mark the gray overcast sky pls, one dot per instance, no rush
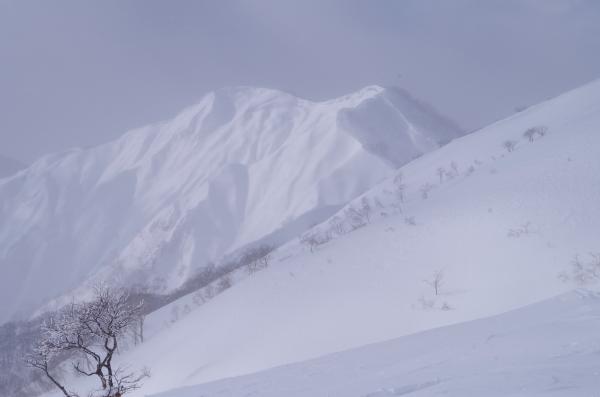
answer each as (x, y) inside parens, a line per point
(78, 73)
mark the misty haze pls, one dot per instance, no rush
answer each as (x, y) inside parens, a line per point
(299, 198)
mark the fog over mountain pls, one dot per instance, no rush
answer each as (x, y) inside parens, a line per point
(80, 74)
(9, 166)
(336, 198)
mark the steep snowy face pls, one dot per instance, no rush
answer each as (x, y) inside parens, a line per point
(9, 166)
(502, 228)
(242, 165)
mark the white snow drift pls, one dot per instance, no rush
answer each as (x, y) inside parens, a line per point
(547, 349)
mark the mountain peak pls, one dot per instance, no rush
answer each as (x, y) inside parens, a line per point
(165, 199)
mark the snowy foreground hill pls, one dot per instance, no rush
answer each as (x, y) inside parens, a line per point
(502, 218)
(546, 349)
(243, 165)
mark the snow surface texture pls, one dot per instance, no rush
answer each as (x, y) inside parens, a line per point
(547, 349)
(9, 166)
(502, 232)
(243, 165)
(503, 227)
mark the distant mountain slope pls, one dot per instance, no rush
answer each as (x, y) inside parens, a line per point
(243, 164)
(547, 349)
(9, 166)
(502, 224)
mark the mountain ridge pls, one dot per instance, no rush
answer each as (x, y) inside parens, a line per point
(165, 199)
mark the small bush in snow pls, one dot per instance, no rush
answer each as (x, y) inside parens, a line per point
(410, 220)
(257, 258)
(337, 225)
(224, 283)
(313, 239)
(425, 189)
(525, 228)
(509, 145)
(356, 217)
(454, 168)
(426, 304)
(533, 132)
(581, 272)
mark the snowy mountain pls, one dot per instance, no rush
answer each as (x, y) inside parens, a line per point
(243, 165)
(503, 217)
(546, 349)
(9, 166)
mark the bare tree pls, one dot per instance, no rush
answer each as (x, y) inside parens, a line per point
(509, 145)
(400, 186)
(138, 329)
(436, 281)
(90, 333)
(366, 209)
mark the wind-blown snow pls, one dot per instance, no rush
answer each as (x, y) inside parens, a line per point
(243, 164)
(502, 227)
(547, 349)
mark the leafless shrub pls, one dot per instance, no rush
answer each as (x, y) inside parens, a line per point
(313, 239)
(583, 273)
(224, 283)
(337, 225)
(356, 217)
(209, 292)
(366, 209)
(454, 168)
(426, 304)
(175, 313)
(198, 298)
(533, 132)
(509, 145)
(425, 189)
(441, 171)
(436, 281)
(525, 228)
(400, 186)
(410, 220)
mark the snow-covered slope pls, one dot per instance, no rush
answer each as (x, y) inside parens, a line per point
(501, 226)
(547, 349)
(243, 164)
(9, 166)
